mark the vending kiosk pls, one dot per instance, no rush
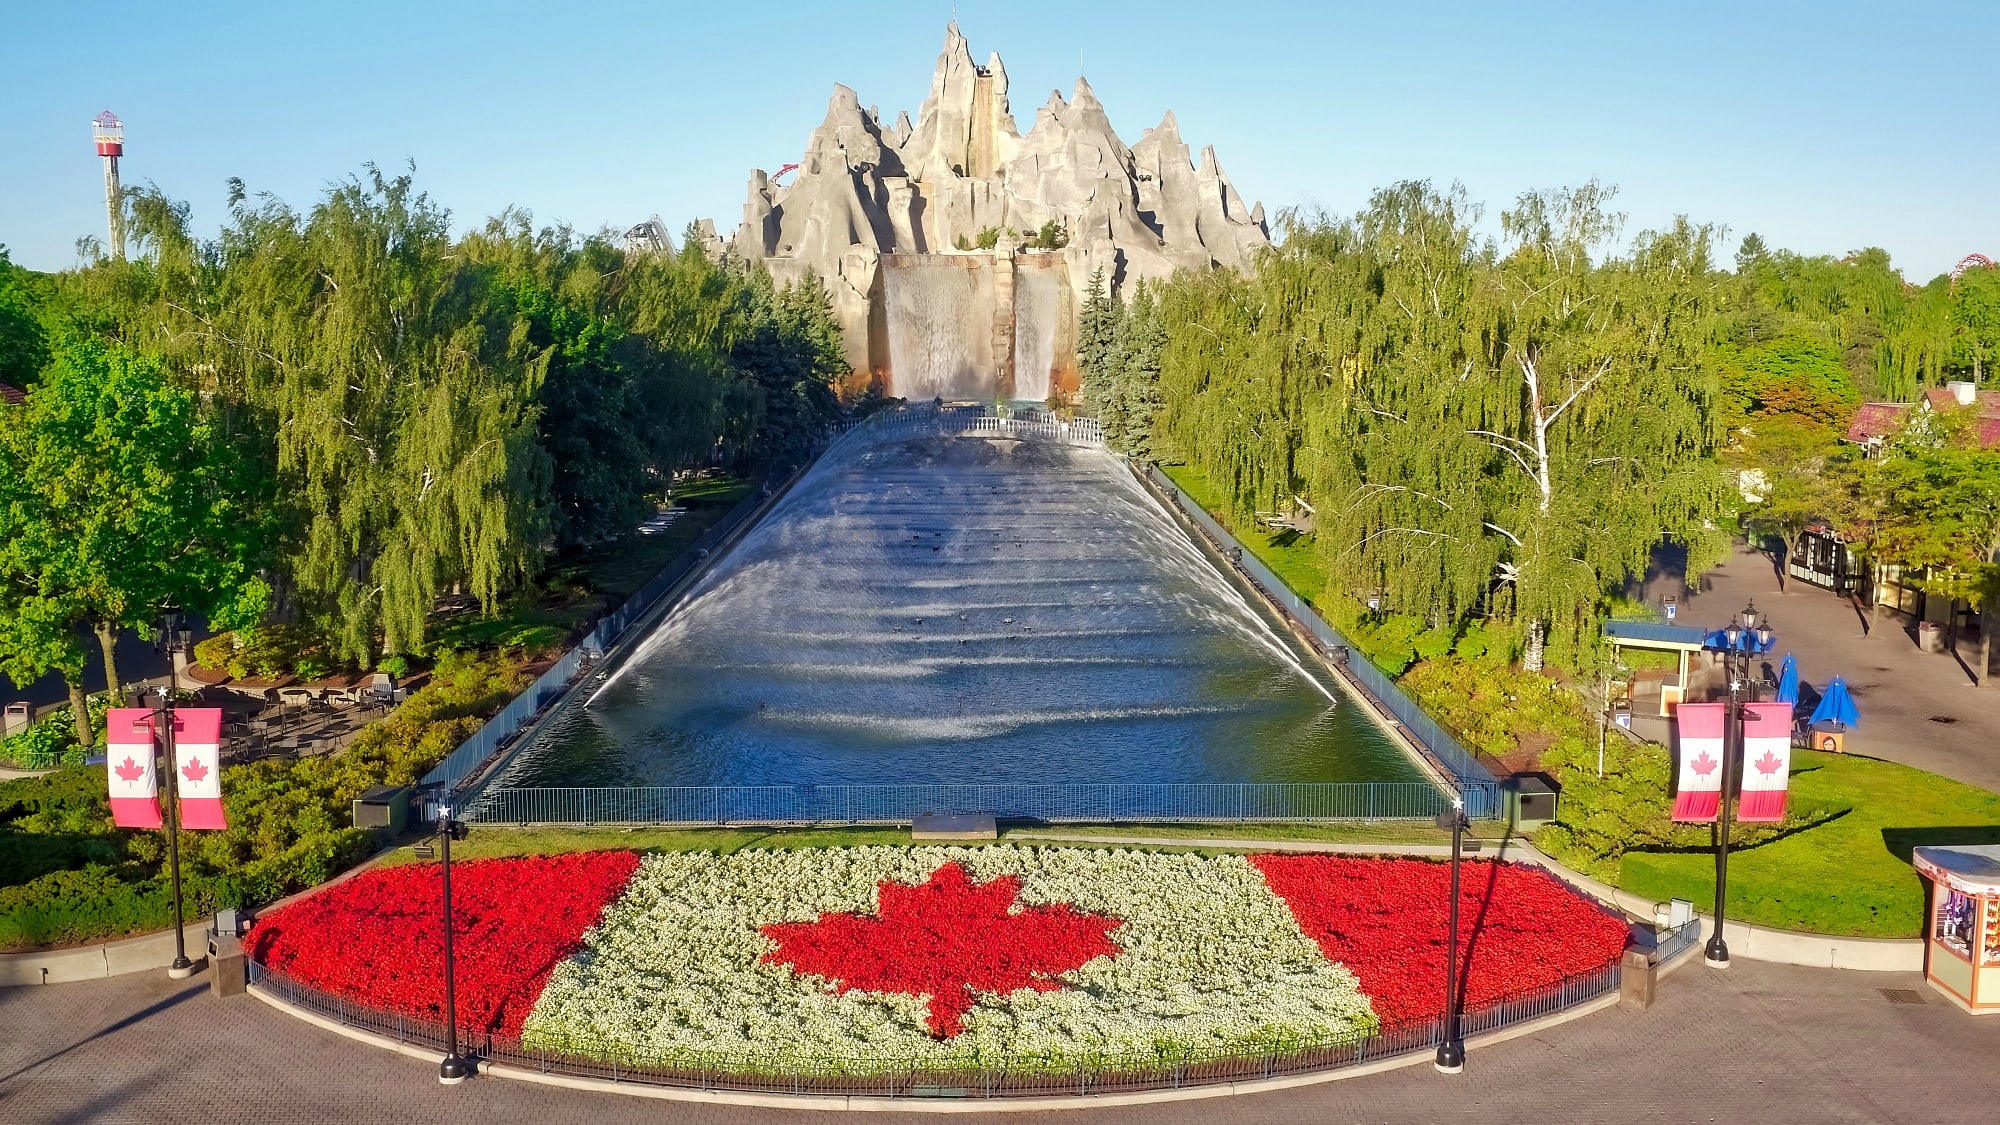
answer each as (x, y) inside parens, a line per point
(1962, 938)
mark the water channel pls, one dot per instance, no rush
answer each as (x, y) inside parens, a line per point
(964, 609)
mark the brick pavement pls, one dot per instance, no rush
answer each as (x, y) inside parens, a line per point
(1917, 708)
(1770, 1043)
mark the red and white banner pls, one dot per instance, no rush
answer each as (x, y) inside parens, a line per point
(198, 757)
(128, 763)
(1767, 761)
(1698, 731)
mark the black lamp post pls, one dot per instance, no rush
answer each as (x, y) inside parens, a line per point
(1451, 1050)
(1737, 650)
(171, 639)
(160, 722)
(455, 1068)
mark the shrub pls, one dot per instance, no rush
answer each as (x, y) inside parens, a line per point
(289, 822)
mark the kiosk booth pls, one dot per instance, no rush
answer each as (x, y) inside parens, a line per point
(1962, 939)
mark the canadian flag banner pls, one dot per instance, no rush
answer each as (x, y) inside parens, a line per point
(128, 762)
(1767, 761)
(198, 755)
(1698, 728)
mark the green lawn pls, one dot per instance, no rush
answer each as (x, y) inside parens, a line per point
(1849, 875)
(1289, 555)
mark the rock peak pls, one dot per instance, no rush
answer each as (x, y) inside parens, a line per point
(961, 167)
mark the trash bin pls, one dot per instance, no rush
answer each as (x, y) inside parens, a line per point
(1930, 636)
(228, 972)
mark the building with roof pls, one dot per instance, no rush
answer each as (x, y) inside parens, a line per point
(1875, 422)
(12, 396)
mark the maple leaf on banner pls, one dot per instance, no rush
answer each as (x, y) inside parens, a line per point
(1769, 763)
(130, 770)
(948, 939)
(194, 770)
(1703, 765)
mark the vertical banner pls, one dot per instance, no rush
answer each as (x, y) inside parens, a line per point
(198, 755)
(1698, 736)
(1767, 761)
(128, 763)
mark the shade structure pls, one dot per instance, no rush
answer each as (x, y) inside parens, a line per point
(1788, 681)
(1836, 705)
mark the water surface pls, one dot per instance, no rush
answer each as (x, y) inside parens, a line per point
(965, 609)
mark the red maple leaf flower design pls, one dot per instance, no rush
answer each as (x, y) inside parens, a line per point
(1703, 765)
(948, 939)
(1769, 763)
(129, 769)
(194, 770)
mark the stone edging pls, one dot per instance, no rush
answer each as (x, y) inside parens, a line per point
(1755, 943)
(823, 1103)
(107, 959)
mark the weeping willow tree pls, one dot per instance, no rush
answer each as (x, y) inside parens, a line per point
(437, 414)
(1483, 431)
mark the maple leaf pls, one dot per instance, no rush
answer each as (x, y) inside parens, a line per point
(948, 939)
(194, 770)
(1703, 765)
(129, 769)
(1769, 763)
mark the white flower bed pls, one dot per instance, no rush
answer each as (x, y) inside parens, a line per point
(1211, 961)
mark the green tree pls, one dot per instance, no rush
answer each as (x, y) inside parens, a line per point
(1096, 345)
(23, 345)
(117, 499)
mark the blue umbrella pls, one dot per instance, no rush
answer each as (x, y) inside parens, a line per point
(1836, 706)
(1788, 681)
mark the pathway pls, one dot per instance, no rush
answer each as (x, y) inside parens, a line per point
(1770, 1043)
(1918, 708)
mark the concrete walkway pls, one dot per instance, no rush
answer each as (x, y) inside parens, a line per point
(1917, 708)
(1772, 1043)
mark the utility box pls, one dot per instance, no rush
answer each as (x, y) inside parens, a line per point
(385, 807)
(1529, 799)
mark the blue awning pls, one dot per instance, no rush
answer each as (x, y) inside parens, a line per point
(1641, 632)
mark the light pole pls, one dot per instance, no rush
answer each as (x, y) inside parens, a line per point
(160, 722)
(1451, 1050)
(455, 1068)
(172, 640)
(1743, 637)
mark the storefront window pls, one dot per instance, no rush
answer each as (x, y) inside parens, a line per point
(1955, 922)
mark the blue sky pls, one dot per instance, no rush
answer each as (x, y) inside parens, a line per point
(1824, 127)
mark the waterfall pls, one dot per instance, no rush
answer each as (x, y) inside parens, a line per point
(1038, 297)
(940, 313)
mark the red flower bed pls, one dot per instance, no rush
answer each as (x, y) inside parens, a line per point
(950, 939)
(1387, 919)
(377, 938)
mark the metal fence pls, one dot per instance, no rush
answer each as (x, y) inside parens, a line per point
(1481, 789)
(1135, 803)
(861, 1075)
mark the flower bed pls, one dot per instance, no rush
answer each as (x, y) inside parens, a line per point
(887, 959)
(377, 937)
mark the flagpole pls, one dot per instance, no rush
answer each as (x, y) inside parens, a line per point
(1451, 1051)
(182, 968)
(1744, 636)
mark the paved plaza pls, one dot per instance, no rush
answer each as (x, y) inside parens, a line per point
(1918, 708)
(1760, 1042)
